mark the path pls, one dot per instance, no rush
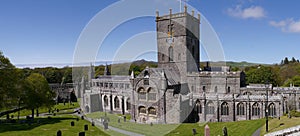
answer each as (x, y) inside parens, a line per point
(257, 132)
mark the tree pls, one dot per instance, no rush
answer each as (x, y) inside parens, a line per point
(8, 83)
(286, 61)
(38, 93)
(261, 75)
(294, 81)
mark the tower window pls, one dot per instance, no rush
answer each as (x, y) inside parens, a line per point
(171, 53)
(163, 57)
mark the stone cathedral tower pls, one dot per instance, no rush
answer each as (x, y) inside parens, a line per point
(178, 41)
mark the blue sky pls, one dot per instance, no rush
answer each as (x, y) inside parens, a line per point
(34, 32)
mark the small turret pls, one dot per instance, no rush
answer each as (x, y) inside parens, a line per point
(132, 75)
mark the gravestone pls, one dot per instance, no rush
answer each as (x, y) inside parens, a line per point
(72, 123)
(105, 124)
(58, 133)
(81, 134)
(93, 123)
(119, 120)
(151, 124)
(77, 119)
(124, 118)
(82, 117)
(206, 130)
(225, 131)
(86, 127)
(194, 131)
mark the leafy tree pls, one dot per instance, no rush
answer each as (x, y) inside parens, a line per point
(293, 60)
(294, 81)
(38, 93)
(286, 61)
(261, 75)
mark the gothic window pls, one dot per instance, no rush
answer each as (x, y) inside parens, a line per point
(255, 109)
(216, 89)
(170, 53)
(272, 109)
(152, 111)
(240, 109)
(105, 101)
(151, 95)
(203, 88)
(128, 104)
(198, 108)
(141, 94)
(146, 81)
(142, 110)
(162, 57)
(210, 108)
(117, 102)
(224, 108)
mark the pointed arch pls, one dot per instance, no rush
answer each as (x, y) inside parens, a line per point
(105, 99)
(272, 109)
(117, 102)
(255, 109)
(224, 108)
(240, 109)
(198, 107)
(171, 54)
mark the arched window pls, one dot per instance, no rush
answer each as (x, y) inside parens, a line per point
(210, 108)
(151, 94)
(224, 108)
(142, 110)
(240, 109)
(272, 110)
(198, 107)
(203, 88)
(170, 53)
(117, 102)
(105, 101)
(128, 104)
(255, 109)
(152, 111)
(141, 94)
(163, 57)
(216, 89)
(228, 89)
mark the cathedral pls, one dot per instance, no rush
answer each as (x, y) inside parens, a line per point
(178, 90)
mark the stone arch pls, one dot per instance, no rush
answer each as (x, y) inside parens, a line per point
(255, 109)
(141, 93)
(224, 109)
(210, 107)
(152, 111)
(105, 100)
(87, 109)
(116, 103)
(240, 108)
(272, 109)
(142, 110)
(198, 107)
(128, 104)
(151, 95)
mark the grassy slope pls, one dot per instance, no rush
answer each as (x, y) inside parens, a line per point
(234, 128)
(274, 124)
(239, 128)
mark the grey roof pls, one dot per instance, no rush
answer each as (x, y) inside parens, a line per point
(171, 76)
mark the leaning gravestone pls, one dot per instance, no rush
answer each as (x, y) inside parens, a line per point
(206, 130)
(225, 131)
(58, 133)
(194, 131)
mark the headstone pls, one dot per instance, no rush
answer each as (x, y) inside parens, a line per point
(194, 131)
(82, 117)
(151, 124)
(77, 119)
(81, 134)
(206, 130)
(225, 131)
(72, 123)
(93, 123)
(118, 120)
(58, 133)
(105, 123)
(57, 110)
(124, 118)
(54, 114)
(86, 127)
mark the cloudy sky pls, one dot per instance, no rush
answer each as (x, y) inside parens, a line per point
(47, 32)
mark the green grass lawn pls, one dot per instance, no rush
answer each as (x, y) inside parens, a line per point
(238, 128)
(49, 127)
(146, 129)
(274, 124)
(245, 128)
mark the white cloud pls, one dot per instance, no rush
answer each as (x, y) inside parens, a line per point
(251, 12)
(288, 25)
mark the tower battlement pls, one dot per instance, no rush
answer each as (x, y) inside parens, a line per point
(177, 15)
